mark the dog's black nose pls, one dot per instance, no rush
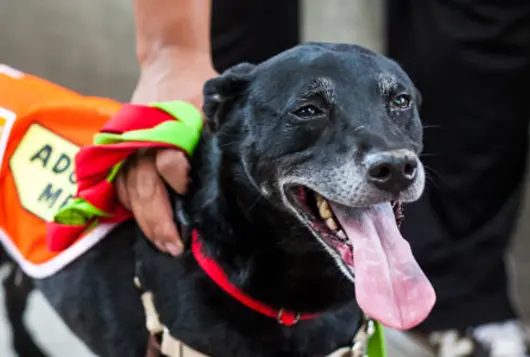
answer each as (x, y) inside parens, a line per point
(392, 171)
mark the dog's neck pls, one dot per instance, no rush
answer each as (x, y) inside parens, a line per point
(264, 251)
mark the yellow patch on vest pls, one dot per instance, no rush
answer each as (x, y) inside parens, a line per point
(43, 170)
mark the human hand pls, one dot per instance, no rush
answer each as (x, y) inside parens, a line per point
(174, 75)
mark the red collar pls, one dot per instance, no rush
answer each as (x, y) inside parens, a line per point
(216, 273)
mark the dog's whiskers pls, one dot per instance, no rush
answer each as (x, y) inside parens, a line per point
(260, 196)
(429, 180)
(433, 176)
(227, 144)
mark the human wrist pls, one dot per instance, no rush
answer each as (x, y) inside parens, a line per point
(173, 56)
(174, 73)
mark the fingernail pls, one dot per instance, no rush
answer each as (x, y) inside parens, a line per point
(160, 245)
(173, 249)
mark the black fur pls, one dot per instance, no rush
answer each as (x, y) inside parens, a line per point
(17, 288)
(257, 137)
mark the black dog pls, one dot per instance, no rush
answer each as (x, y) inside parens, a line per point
(291, 196)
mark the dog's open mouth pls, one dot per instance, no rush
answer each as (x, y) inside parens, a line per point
(317, 211)
(389, 284)
(319, 214)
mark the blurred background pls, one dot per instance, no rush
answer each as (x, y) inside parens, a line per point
(88, 46)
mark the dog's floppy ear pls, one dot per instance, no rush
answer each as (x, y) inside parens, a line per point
(221, 90)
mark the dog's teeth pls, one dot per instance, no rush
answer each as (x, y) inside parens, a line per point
(324, 210)
(330, 222)
(341, 234)
(319, 199)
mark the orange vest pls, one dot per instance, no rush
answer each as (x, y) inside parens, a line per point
(42, 126)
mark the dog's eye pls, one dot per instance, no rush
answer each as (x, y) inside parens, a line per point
(401, 101)
(308, 111)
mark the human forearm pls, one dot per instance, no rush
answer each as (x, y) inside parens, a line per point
(171, 25)
(173, 47)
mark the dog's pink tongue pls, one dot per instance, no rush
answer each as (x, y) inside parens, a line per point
(390, 286)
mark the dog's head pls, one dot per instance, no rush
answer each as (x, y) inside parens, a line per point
(332, 136)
